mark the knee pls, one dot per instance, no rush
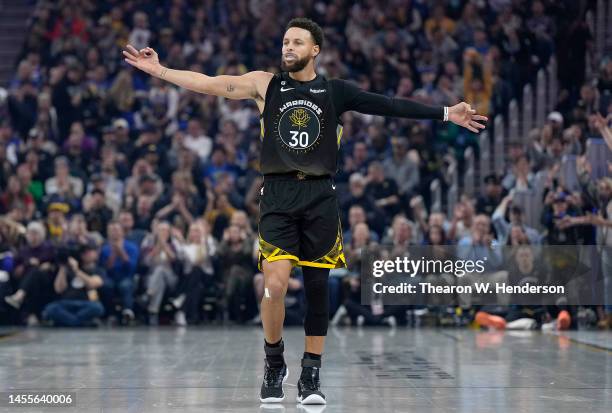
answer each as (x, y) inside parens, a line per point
(97, 309)
(317, 291)
(126, 285)
(108, 286)
(275, 288)
(156, 274)
(50, 310)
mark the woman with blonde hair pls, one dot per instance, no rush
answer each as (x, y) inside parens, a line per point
(197, 254)
(160, 252)
(121, 95)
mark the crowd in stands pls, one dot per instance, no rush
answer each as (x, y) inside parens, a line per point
(127, 200)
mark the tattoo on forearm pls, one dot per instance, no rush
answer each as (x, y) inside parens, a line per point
(230, 88)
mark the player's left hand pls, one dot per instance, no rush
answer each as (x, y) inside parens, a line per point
(462, 114)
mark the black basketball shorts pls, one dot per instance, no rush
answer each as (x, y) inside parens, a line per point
(299, 221)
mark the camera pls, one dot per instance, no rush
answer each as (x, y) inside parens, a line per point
(65, 251)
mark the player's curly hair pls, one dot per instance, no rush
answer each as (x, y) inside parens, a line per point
(315, 30)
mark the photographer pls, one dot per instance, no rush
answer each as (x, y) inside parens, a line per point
(526, 311)
(77, 285)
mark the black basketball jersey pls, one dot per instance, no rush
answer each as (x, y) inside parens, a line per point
(300, 127)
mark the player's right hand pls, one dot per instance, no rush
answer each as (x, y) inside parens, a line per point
(146, 59)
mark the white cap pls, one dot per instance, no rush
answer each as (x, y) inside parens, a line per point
(555, 117)
(121, 123)
(356, 177)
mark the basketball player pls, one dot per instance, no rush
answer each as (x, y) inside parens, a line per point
(299, 223)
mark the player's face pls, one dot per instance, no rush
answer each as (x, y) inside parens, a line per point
(298, 49)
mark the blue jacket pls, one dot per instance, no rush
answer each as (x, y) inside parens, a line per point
(120, 269)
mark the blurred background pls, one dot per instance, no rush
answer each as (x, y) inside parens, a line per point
(125, 200)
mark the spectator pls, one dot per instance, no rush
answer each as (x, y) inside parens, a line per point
(359, 196)
(160, 256)
(481, 244)
(356, 215)
(16, 196)
(439, 21)
(134, 235)
(504, 227)
(119, 258)
(197, 254)
(97, 213)
(140, 35)
(142, 181)
(182, 201)
(62, 183)
(402, 167)
(121, 129)
(463, 215)
(520, 178)
(400, 236)
(383, 190)
(359, 160)
(56, 220)
(556, 211)
(218, 164)
(30, 186)
(77, 234)
(237, 273)
(436, 236)
(492, 195)
(110, 186)
(196, 141)
(477, 80)
(33, 273)
(76, 284)
(218, 212)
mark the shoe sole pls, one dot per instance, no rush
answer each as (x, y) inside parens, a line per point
(490, 320)
(312, 399)
(276, 399)
(12, 303)
(564, 321)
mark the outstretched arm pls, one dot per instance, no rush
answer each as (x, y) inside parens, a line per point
(349, 97)
(251, 85)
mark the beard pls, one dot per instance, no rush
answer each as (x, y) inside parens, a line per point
(294, 66)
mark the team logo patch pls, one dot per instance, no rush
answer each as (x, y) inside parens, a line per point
(299, 129)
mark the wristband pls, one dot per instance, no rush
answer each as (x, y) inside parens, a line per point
(445, 119)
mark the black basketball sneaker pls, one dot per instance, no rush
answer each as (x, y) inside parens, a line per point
(272, 386)
(309, 386)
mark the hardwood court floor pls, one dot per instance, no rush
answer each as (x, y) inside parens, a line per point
(215, 369)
